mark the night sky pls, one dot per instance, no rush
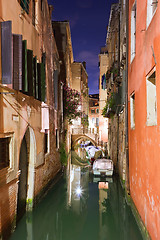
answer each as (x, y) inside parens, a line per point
(88, 22)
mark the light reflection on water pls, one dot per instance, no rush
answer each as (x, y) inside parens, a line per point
(98, 212)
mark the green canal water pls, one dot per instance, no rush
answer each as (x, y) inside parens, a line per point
(80, 207)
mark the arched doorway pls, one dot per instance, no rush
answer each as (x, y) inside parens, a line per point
(26, 166)
(22, 185)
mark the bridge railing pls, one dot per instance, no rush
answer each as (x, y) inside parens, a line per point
(85, 131)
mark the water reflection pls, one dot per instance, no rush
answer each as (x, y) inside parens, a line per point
(80, 207)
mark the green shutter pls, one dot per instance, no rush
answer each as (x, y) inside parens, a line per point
(30, 73)
(25, 5)
(35, 77)
(24, 67)
(41, 82)
(43, 85)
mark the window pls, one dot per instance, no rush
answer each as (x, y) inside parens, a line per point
(46, 141)
(151, 8)
(93, 120)
(33, 12)
(97, 110)
(57, 139)
(92, 111)
(6, 151)
(133, 31)
(25, 5)
(132, 110)
(97, 122)
(151, 99)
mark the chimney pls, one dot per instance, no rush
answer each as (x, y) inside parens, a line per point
(84, 64)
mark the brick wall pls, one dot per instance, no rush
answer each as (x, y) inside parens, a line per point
(8, 206)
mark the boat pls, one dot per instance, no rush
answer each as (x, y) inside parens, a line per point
(103, 167)
(93, 153)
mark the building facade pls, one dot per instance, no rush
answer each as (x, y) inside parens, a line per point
(80, 83)
(113, 81)
(62, 34)
(144, 117)
(29, 68)
(94, 113)
(103, 67)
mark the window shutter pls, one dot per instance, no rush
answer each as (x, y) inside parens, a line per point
(24, 67)
(30, 73)
(41, 82)
(55, 82)
(25, 5)
(17, 62)
(35, 77)
(6, 51)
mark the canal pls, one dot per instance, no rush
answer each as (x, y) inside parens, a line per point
(78, 207)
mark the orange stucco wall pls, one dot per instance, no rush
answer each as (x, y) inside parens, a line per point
(144, 141)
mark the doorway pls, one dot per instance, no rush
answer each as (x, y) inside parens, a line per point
(22, 186)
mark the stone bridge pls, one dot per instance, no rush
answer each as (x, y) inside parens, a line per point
(81, 133)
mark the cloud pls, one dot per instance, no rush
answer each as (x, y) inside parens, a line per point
(90, 58)
(84, 3)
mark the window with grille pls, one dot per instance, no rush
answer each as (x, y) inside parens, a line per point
(4, 152)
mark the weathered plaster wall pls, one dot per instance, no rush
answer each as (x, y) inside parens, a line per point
(144, 140)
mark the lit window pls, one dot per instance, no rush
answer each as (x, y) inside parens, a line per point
(133, 31)
(151, 8)
(132, 110)
(151, 99)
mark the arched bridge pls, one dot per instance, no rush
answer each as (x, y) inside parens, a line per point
(81, 133)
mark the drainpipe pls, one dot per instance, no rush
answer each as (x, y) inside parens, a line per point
(126, 101)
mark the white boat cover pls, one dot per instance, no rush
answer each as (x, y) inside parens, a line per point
(103, 164)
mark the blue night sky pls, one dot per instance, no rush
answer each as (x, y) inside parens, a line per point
(88, 22)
